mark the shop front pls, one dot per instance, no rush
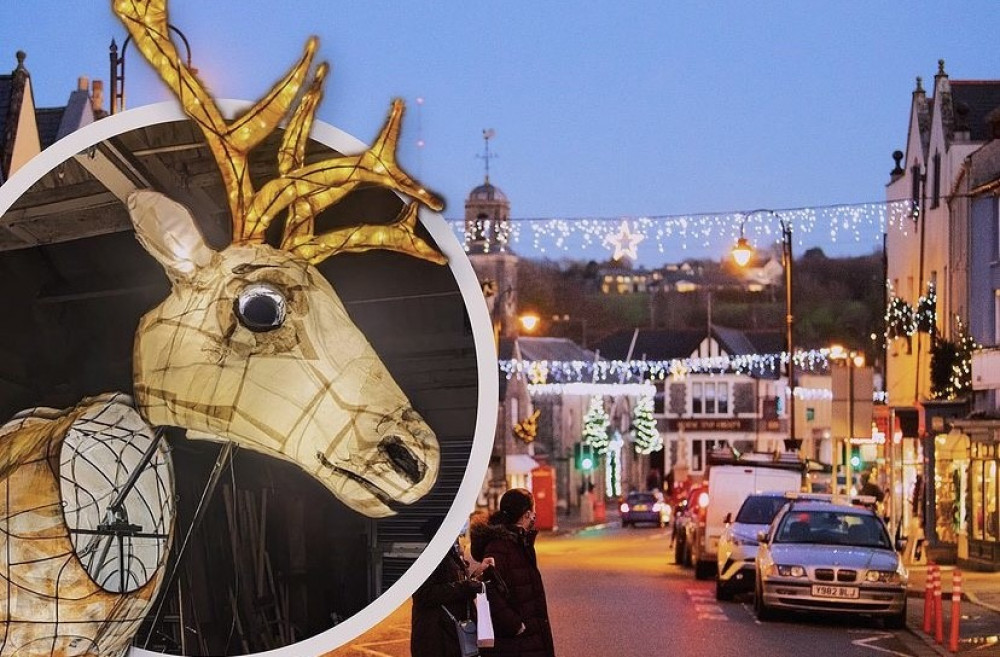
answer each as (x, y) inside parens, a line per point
(983, 503)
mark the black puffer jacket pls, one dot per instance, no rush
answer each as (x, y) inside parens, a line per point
(432, 632)
(521, 597)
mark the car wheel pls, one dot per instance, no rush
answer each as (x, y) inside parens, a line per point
(896, 621)
(722, 592)
(761, 610)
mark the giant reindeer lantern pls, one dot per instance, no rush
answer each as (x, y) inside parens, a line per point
(253, 345)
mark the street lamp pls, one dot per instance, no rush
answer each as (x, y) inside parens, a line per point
(118, 68)
(741, 255)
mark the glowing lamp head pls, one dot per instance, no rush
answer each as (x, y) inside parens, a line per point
(742, 252)
(529, 322)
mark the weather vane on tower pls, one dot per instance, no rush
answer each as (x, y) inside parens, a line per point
(488, 133)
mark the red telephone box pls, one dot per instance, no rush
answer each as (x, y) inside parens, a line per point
(543, 487)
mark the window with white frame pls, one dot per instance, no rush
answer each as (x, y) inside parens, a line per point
(710, 398)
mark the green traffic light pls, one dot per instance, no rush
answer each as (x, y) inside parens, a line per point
(586, 463)
(855, 462)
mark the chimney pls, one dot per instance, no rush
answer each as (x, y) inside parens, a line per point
(82, 83)
(97, 98)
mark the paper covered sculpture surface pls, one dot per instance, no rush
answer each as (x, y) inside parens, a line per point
(253, 345)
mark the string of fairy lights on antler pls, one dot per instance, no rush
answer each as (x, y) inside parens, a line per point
(854, 222)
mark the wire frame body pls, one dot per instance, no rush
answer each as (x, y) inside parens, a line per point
(50, 602)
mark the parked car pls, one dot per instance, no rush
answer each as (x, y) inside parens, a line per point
(729, 483)
(689, 514)
(736, 561)
(644, 507)
(829, 557)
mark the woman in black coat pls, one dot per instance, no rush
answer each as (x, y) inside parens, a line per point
(432, 632)
(516, 594)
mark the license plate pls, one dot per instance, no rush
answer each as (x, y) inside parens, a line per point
(824, 591)
(641, 507)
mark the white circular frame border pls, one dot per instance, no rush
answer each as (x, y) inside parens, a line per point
(486, 357)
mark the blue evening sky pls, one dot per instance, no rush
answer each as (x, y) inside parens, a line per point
(601, 109)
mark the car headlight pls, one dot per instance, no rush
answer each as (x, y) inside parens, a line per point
(791, 571)
(883, 576)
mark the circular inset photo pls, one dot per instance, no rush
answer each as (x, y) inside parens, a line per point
(219, 441)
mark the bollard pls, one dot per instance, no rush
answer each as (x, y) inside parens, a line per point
(929, 598)
(956, 609)
(938, 621)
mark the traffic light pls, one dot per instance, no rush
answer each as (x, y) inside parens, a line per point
(583, 457)
(856, 460)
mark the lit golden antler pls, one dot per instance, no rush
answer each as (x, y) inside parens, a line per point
(305, 190)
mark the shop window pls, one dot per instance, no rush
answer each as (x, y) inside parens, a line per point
(990, 499)
(950, 467)
(976, 488)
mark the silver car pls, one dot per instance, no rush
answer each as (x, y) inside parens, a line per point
(738, 543)
(826, 557)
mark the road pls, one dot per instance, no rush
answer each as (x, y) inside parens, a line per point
(617, 592)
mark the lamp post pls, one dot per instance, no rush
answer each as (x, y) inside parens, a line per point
(118, 68)
(742, 253)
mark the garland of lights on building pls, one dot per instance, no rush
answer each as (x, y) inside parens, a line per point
(851, 223)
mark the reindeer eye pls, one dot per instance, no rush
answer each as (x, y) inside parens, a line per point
(260, 307)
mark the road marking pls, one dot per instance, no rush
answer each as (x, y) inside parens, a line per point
(705, 605)
(867, 641)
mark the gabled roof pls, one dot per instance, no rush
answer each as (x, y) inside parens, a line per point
(550, 349)
(668, 344)
(48, 120)
(651, 344)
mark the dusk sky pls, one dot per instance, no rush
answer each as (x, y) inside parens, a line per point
(600, 109)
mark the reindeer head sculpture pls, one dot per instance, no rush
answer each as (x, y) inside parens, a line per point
(253, 345)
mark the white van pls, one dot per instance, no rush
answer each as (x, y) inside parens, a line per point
(728, 485)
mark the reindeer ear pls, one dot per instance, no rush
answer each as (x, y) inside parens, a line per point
(169, 233)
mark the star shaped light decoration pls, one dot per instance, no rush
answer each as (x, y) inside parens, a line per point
(538, 372)
(625, 242)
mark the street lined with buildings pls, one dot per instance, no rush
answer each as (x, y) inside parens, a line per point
(616, 591)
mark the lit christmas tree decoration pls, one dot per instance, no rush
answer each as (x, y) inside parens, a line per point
(646, 438)
(595, 426)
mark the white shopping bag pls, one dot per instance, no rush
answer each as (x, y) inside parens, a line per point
(484, 623)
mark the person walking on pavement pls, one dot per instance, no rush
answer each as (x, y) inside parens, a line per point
(516, 594)
(450, 586)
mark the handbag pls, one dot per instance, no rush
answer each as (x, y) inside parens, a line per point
(466, 630)
(484, 622)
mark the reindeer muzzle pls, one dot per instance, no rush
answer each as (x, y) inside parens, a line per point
(402, 460)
